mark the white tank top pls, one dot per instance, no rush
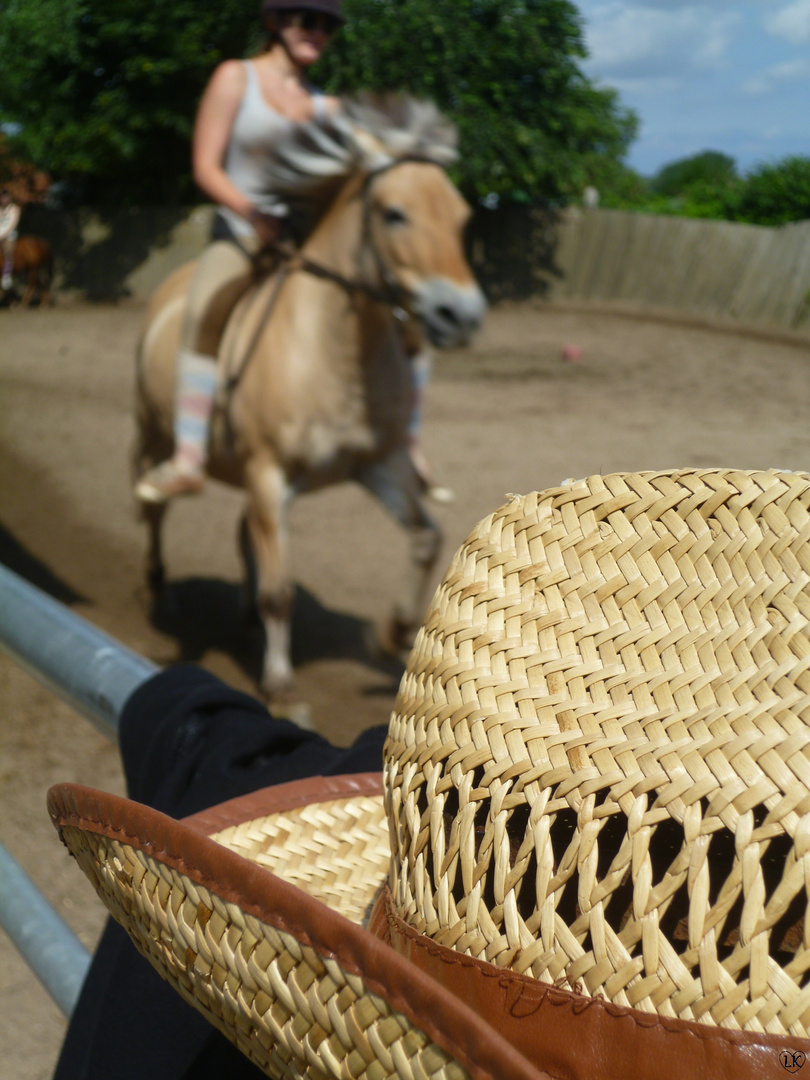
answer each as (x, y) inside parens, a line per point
(254, 136)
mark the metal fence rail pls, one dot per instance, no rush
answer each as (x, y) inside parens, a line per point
(46, 942)
(78, 662)
(95, 674)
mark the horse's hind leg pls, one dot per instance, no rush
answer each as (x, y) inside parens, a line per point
(395, 483)
(250, 584)
(147, 444)
(152, 515)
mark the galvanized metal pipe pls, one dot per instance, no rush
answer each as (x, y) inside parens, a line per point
(76, 661)
(95, 674)
(49, 946)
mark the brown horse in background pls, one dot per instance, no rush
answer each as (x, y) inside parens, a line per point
(34, 256)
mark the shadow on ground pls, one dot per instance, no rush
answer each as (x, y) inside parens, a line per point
(18, 559)
(202, 614)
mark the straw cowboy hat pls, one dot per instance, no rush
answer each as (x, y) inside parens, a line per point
(588, 854)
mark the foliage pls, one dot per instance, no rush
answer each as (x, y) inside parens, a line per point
(105, 91)
(774, 194)
(621, 187)
(708, 186)
(703, 172)
(530, 124)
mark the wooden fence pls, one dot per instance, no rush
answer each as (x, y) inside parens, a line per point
(717, 270)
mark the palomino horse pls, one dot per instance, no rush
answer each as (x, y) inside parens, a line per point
(322, 389)
(33, 257)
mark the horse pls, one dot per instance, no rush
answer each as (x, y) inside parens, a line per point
(315, 380)
(33, 256)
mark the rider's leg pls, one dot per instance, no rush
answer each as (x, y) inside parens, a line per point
(222, 275)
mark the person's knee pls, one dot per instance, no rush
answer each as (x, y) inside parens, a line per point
(223, 275)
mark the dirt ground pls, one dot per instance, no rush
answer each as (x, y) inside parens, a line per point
(505, 415)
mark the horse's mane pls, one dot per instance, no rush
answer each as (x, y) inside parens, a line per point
(368, 133)
(402, 126)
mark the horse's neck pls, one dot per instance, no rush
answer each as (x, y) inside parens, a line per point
(336, 242)
(340, 245)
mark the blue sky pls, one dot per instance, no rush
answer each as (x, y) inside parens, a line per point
(711, 75)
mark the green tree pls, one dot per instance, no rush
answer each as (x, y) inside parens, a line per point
(103, 92)
(531, 125)
(707, 170)
(774, 194)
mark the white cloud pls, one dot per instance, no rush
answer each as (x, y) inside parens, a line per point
(643, 39)
(731, 76)
(770, 79)
(792, 22)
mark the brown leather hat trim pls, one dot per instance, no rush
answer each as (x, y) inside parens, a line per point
(281, 797)
(584, 1038)
(442, 1017)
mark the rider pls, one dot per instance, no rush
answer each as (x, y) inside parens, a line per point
(246, 107)
(9, 220)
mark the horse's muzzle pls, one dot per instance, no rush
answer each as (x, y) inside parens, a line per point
(450, 313)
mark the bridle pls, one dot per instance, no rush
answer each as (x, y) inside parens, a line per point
(390, 292)
(292, 260)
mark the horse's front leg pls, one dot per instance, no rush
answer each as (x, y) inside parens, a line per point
(395, 483)
(265, 517)
(152, 514)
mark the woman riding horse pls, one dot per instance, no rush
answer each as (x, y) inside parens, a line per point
(315, 373)
(246, 108)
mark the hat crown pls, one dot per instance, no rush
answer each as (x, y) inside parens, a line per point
(598, 765)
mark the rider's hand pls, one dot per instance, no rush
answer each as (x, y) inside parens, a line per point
(266, 226)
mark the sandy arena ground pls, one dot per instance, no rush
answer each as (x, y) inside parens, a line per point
(506, 415)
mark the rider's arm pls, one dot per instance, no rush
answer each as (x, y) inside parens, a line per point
(212, 129)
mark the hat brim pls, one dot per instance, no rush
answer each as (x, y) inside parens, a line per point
(284, 968)
(287, 970)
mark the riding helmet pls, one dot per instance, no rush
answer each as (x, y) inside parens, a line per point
(328, 7)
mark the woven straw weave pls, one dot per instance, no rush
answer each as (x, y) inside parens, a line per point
(599, 759)
(336, 851)
(296, 1014)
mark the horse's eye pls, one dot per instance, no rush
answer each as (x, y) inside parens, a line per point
(392, 215)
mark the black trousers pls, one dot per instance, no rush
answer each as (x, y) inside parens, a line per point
(188, 741)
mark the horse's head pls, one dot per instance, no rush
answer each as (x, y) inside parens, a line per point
(393, 151)
(415, 220)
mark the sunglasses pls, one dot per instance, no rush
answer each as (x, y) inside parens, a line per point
(312, 20)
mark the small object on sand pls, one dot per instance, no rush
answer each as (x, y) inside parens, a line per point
(571, 353)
